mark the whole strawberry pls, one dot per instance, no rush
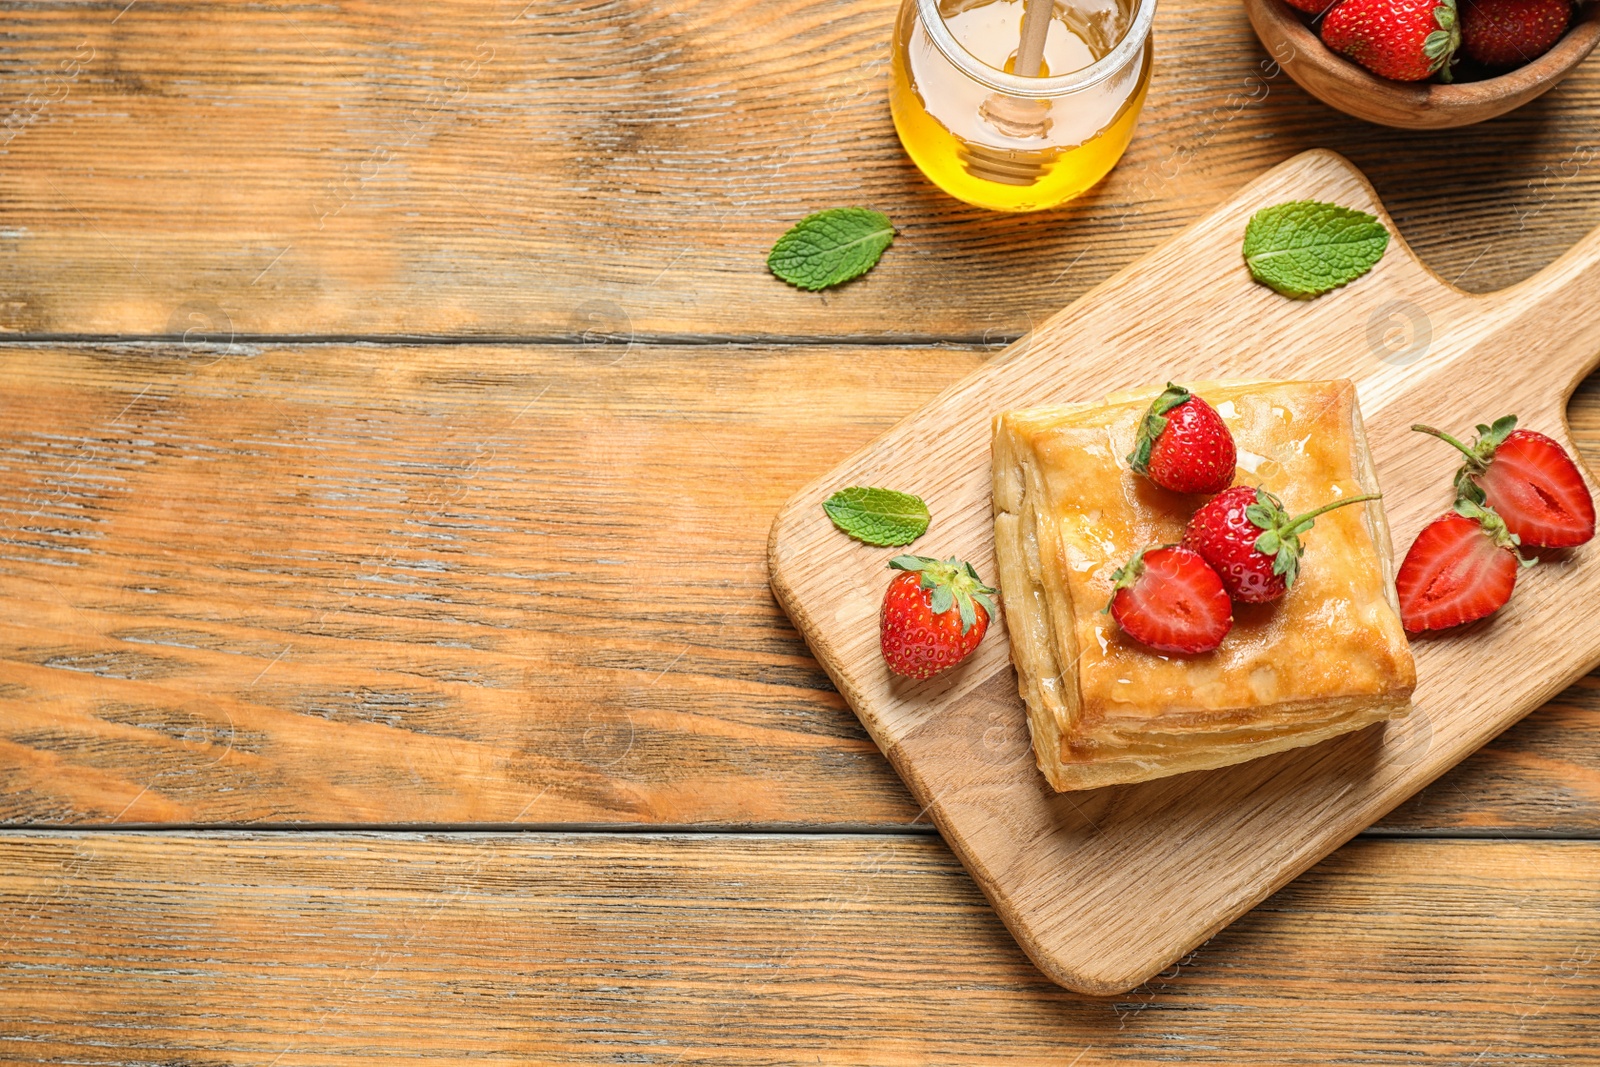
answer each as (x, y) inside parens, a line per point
(1407, 40)
(1462, 567)
(1170, 599)
(1509, 33)
(933, 615)
(1184, 445)
(1528, 480)
(1312, 7)
(1251, 542)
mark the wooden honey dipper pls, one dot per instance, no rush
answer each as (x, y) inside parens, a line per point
(1017, 117)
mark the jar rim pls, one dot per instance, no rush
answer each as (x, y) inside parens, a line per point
(1132, 42)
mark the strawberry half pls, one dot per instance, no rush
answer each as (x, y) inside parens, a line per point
(1407, 40)
(933, 615)
(1251, 542)
(1184, 445)
(1529, 480)
(1462, 567)
(1171, 600)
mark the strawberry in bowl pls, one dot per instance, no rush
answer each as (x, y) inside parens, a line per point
(1426, 64)
(1504, 34)
(1403, 40)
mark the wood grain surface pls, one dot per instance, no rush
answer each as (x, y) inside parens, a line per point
(311, 948)
(315, 573)
(1098, 885)
(345, 584)
(442, 584)
(500, 168)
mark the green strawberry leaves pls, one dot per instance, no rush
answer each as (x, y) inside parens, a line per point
(883, 517)
(1478, 454)
(952, 583)
(1442, 43)
(1152, 424)
(831, 247)
(1494, 526)
(1125, 576)
(1306, 248)
(1494, 435)
(1280, 534)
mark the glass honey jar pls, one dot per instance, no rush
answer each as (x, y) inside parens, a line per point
(989, 136)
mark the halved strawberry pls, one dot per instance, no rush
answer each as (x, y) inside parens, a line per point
(1171, 600)
(1184, 445)
(1462, 567)
(1529, 480)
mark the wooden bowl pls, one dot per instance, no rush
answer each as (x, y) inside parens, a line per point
(1350, 87)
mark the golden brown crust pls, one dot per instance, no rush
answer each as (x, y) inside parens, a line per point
(1328, 658)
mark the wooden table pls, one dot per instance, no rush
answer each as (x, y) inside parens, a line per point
(394, 406)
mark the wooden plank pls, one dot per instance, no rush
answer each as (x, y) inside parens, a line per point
(314, 948)
(1541, 776)
(1099, 885)
(622, 166)
(440, 584)
(295, 655)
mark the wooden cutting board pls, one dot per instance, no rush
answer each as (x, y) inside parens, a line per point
(1106, 888)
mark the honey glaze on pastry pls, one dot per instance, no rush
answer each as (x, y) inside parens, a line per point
(1328, 658)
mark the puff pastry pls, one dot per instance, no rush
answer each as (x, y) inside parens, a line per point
(1329, 657)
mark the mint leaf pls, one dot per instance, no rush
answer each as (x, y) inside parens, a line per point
(1306, 248)
(878, 516)
(831, 247)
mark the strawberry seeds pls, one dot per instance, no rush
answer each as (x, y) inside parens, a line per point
(1241, 545)
(1516, 489)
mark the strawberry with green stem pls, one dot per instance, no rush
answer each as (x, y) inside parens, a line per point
(1405, 40)
(1183, 444)
(1528, 479)
(1251, 542)
(1461, 568)
(934, 614)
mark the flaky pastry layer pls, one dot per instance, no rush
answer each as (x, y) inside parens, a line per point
(1330, 657)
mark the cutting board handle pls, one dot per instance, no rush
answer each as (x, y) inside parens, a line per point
(1550, 340)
